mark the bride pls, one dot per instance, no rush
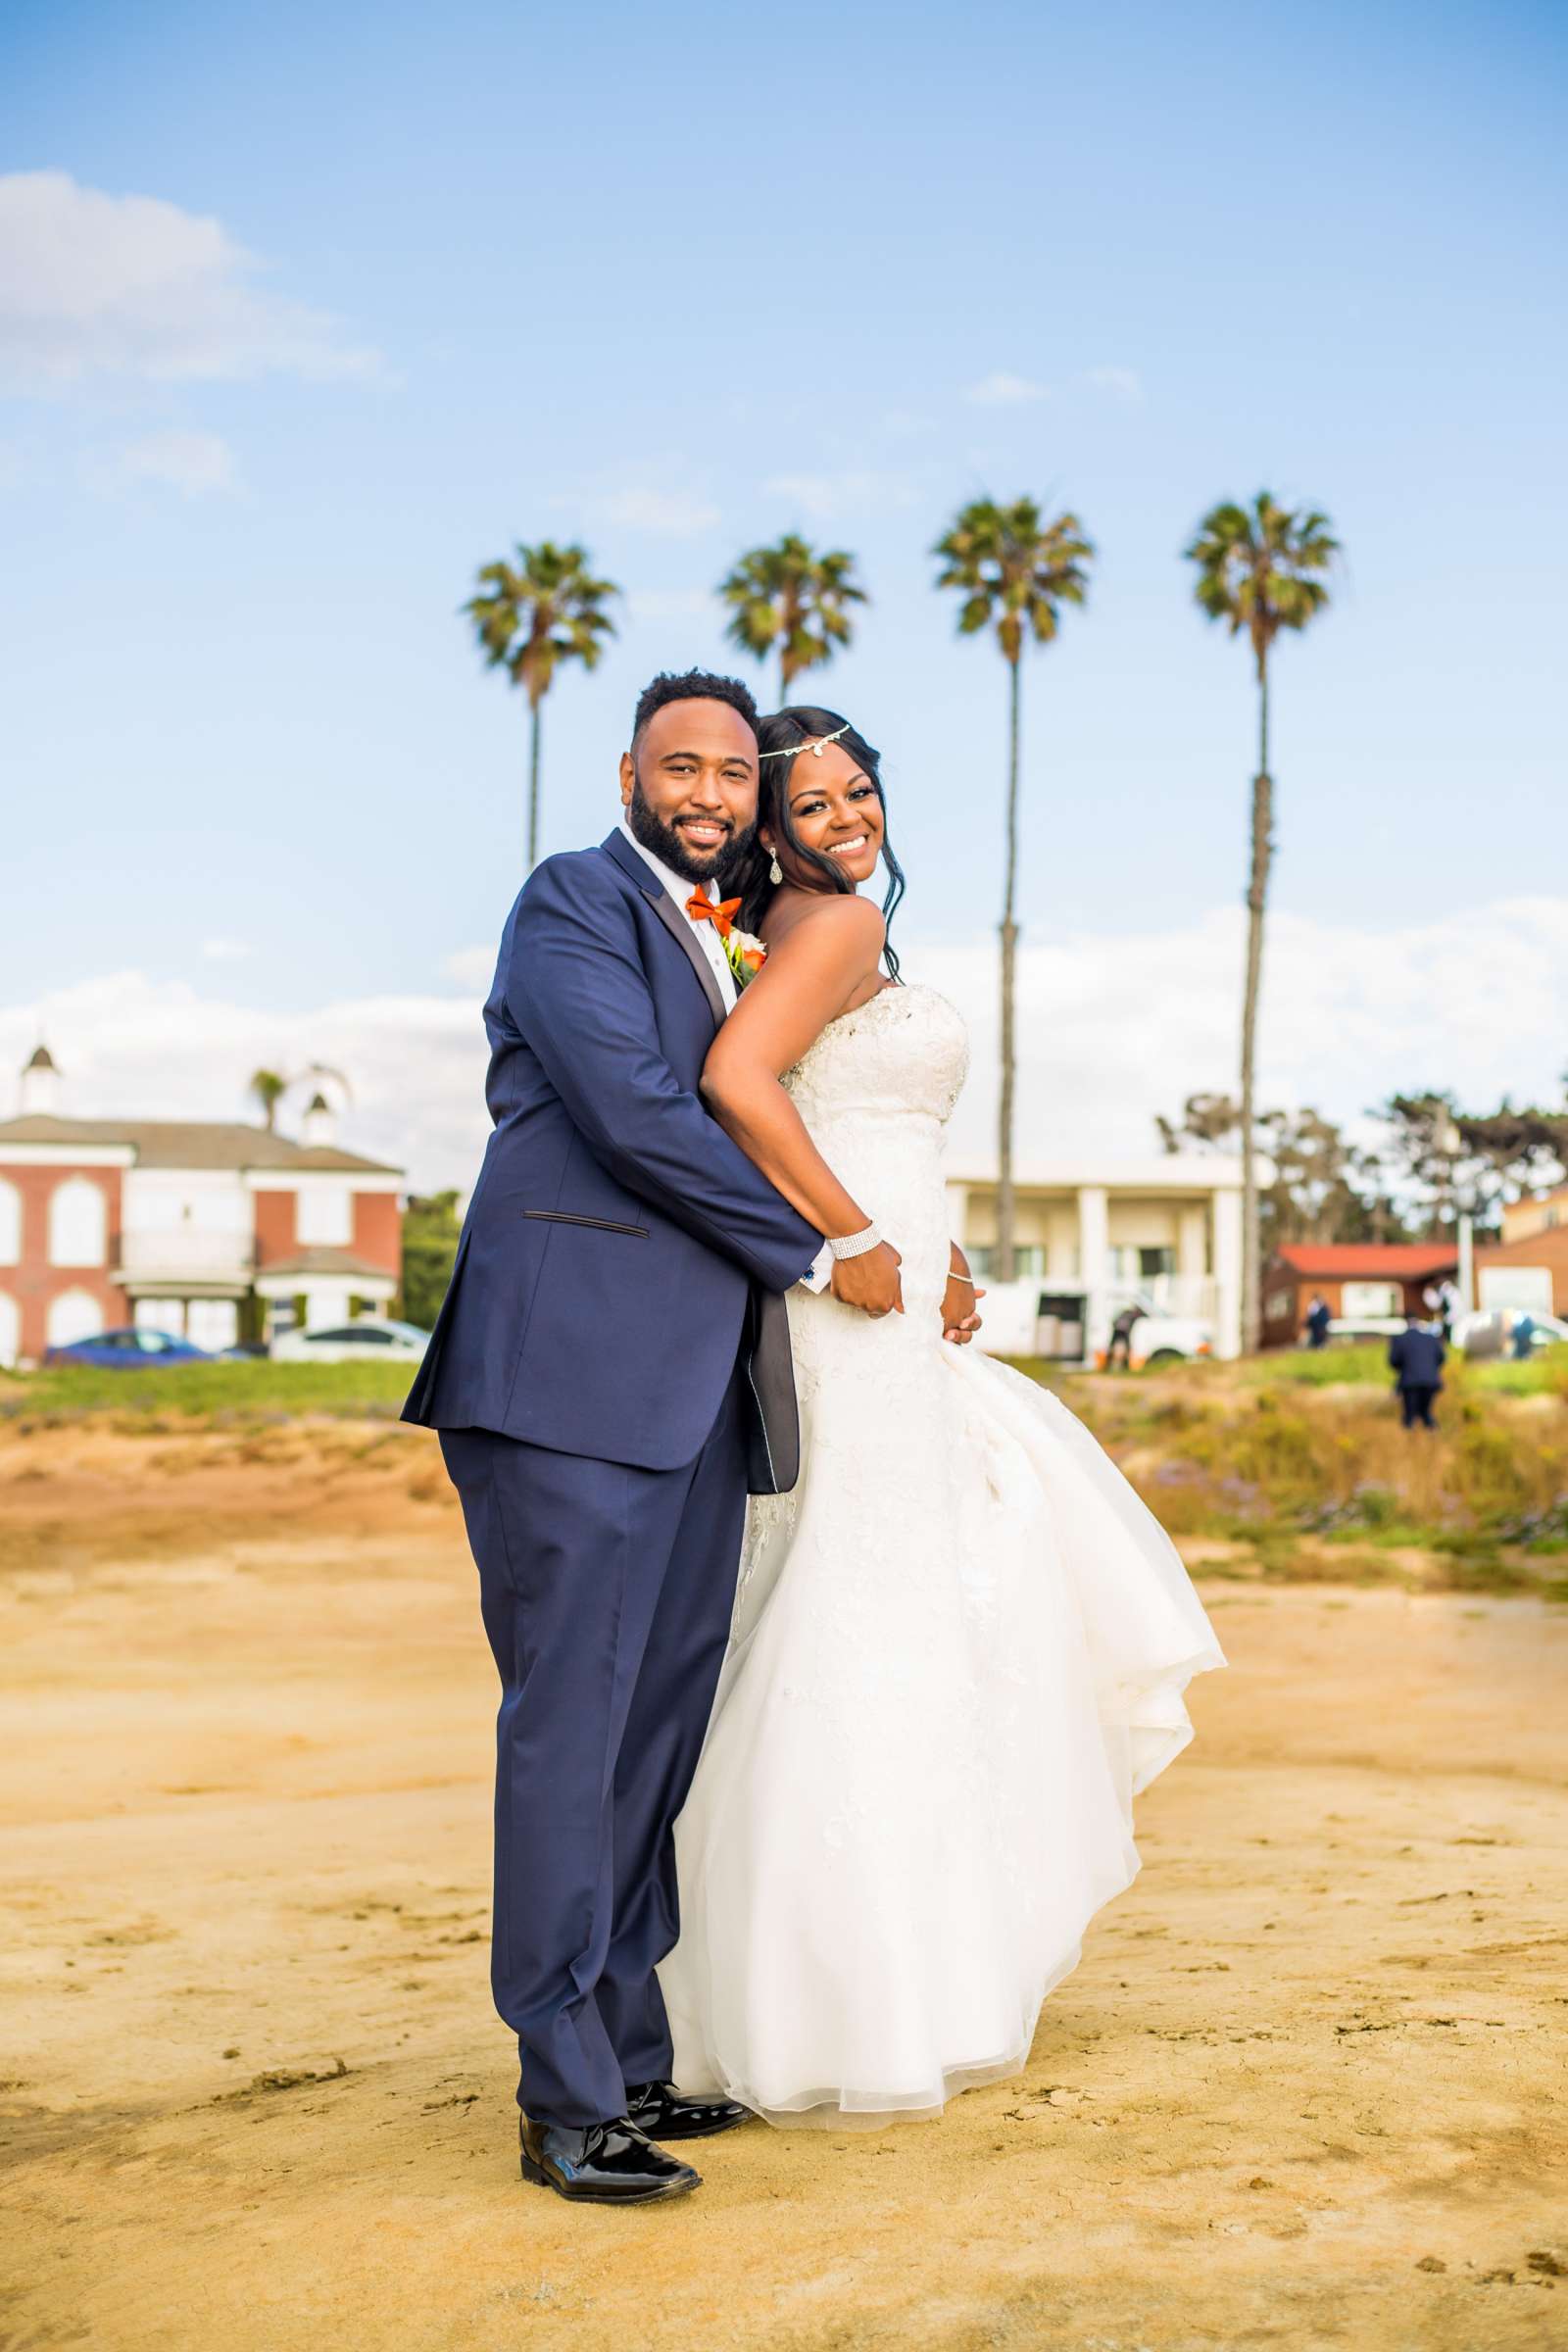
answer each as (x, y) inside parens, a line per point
(960, 1646)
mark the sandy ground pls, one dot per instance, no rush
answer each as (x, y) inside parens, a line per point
(1306, 2089)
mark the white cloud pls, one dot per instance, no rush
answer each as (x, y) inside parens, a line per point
(196, 465)
(667, 513)
(94, 285)
(1112, 1030)
(826, 496)
(1004, 391)
(1123, 383)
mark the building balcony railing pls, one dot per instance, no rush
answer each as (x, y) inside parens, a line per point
(186, 1254)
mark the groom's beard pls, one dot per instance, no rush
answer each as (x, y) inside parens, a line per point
(669, 843)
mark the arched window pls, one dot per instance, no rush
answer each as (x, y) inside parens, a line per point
(77, 1223)
(73, 1315)
(10, 1329)
(10, 1224)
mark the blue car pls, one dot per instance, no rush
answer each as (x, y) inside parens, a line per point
(128, 1351)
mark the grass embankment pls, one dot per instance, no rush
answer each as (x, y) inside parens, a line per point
(1297, 1466)
(224, 1394)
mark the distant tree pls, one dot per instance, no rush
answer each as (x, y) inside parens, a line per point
(1014, 573)
(1324, 1189)
(795, 596)
(431, 1233)
(1259, 571)
(268, 1087)
(530, 613)
(1470, 1164)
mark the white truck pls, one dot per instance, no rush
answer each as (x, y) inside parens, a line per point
(1067, 1324)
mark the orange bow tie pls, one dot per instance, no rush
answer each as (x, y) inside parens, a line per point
(702, 910)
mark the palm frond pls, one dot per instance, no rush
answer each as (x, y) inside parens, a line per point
(1013, 569)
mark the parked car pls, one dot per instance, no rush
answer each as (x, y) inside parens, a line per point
(1352, 1330)
(369, 1342)
(1489, 1333)
(128, 1351)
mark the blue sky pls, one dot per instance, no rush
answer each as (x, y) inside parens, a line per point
(673, 282)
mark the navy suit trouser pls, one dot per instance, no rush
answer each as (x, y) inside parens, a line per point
(607, 1594)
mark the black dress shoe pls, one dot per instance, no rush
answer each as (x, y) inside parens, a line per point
(666, 2112)
(601, 2164)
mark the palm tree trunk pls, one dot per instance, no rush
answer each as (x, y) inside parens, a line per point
(1257, 897)
(534, 785)
(1009, 952)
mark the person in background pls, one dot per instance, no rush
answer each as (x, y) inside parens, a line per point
(1448, 1306)
(1318, 1319)
(1523, 1336)
(1417, 1356)
(1119, 1355)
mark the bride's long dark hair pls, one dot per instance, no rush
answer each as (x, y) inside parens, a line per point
(806, 722)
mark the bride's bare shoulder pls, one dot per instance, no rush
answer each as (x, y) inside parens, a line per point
(841, 925)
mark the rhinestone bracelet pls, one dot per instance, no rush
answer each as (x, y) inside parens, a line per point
(856, 1245)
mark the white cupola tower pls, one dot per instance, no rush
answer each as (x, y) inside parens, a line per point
(40, 1085)
(318, 1127)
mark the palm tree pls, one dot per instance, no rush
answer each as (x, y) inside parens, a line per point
(268, 1087)
(1258, 569)
(796, 599)
(530, 613)
(1014, 573)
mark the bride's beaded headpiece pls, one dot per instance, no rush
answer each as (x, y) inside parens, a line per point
(820, 745)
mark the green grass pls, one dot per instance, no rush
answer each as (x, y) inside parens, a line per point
(254, 1391)
(1363, 1366)
(1546, 1374)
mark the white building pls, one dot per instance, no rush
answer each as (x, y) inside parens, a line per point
(210, 1230)
(1093, 1235)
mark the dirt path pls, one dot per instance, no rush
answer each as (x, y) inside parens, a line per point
(1306, 2089)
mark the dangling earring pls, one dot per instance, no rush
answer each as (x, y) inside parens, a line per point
(775, 873)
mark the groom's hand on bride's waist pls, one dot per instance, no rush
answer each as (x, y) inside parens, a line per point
(871, 1282)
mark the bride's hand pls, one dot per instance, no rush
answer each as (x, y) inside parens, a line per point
(871, 1282)
(960, 1321)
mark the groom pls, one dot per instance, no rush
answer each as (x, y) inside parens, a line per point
(610, 1374)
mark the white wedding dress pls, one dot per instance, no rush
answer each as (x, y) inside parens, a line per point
(960, 1649)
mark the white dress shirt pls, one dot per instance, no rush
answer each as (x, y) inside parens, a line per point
(705, 934)
(713, 946)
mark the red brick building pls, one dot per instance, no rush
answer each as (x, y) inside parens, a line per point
(1530, 1263)
(1367, 1282)
(213, 1230)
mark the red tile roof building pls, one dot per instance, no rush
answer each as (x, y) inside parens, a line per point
(1360, 1281)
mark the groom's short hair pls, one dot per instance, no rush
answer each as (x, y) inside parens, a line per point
(692, 686)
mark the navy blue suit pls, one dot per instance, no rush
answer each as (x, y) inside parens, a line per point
(609, 1373)
(1415, 1358)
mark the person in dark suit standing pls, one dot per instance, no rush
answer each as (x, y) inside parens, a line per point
(1318, 1319)
(1417, 1356)
(610, 1374)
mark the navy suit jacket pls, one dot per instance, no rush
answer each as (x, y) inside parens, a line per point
(1416, 1358)
(618, 1244)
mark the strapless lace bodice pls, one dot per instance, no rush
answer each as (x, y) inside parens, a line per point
(876, 1089)
(904, 1054)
